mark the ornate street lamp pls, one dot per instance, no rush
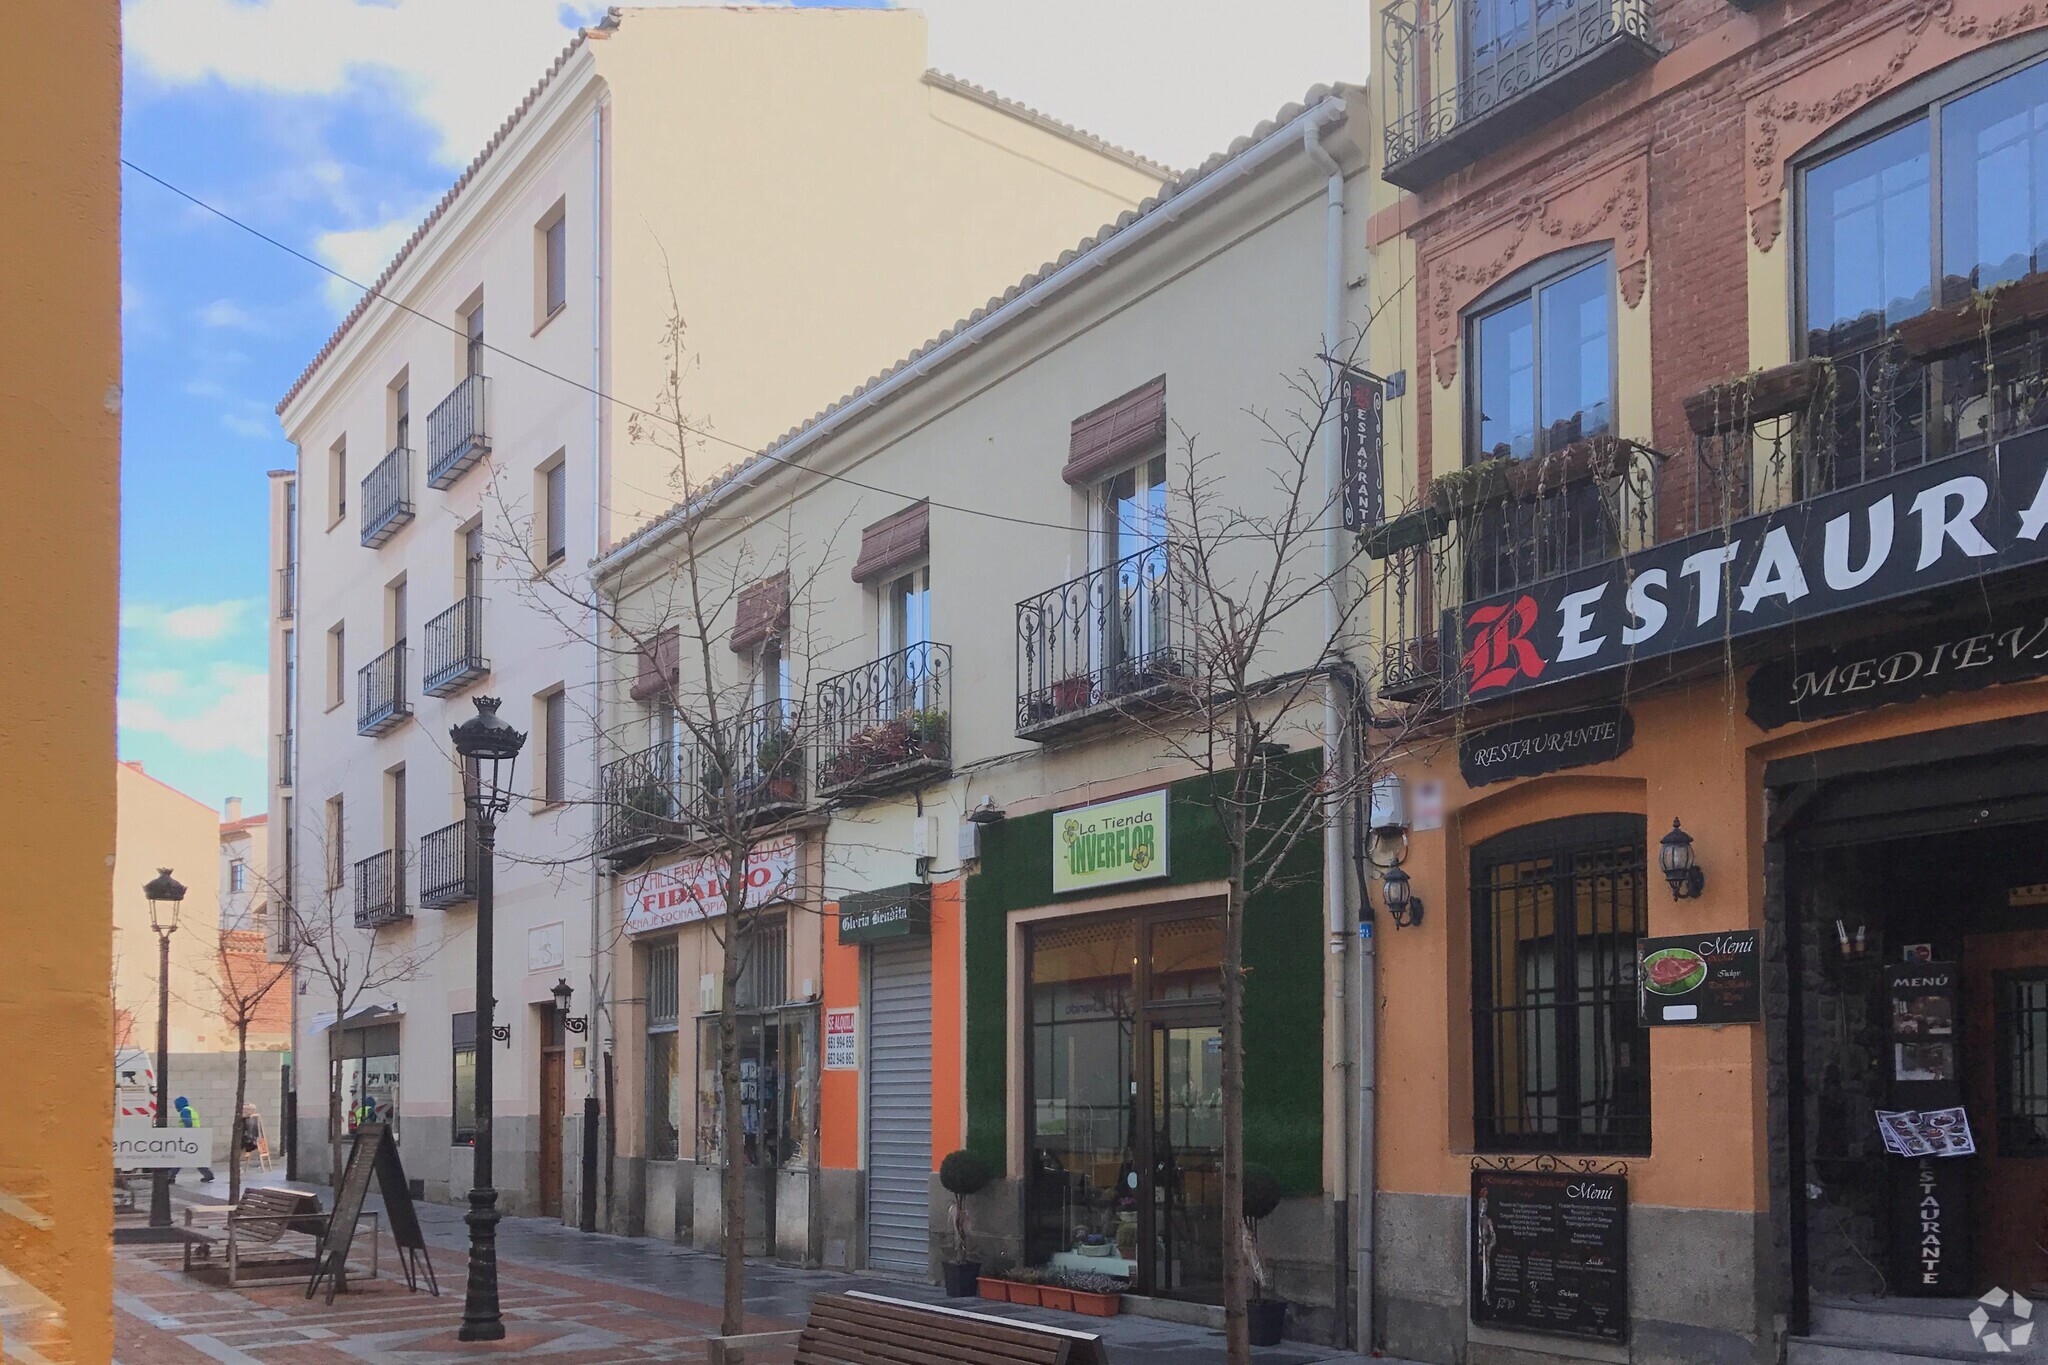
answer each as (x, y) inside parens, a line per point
(1681, 866)
(1403, 904)
(490, 749)
(166, 894)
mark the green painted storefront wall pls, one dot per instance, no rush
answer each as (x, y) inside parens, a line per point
(1283, 997)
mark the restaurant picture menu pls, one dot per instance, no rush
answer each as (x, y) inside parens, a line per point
(1550, 1252)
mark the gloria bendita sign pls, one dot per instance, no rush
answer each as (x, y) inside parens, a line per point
(1109, 842)
(1955, 519)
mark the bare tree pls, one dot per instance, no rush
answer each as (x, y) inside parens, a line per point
(351, 961)
(1260, 655)
(236, 979)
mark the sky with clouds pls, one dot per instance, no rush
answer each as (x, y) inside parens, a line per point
(333, 125)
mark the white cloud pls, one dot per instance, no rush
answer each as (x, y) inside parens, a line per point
(361, 254)
(231, 315)
(253, 428)
(199, 622)
(226, 711)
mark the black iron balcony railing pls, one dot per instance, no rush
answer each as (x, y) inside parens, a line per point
(1461, 78)
(380, 890)
(458, 431)
(448, 865)
(454, 649)
(646, 803)
(887, 723)
(1119, 638)
(286, 747)
(381, 701)
(763, 758)
(287, 592)
(387, 497)
(1497, 526)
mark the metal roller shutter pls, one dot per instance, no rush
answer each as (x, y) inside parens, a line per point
(900, 1106)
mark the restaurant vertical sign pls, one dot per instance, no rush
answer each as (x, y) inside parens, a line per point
(1362, 412)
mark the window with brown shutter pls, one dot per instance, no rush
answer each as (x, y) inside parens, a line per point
(659, 662)
(893, 543)
(763, 611)
(556, 720)
(1117, 433)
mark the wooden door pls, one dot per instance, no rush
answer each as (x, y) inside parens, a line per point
(2005, 1000)
(551, 1132)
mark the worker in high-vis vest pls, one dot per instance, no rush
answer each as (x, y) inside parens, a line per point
(188, 1117)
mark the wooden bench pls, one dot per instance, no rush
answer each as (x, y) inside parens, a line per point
(870, 1329)
(252, 1233)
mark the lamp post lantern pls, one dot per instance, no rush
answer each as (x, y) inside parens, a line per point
(489, 747)
(166, 894)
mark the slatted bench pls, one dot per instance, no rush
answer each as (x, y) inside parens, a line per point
(252, 1233)
(870, 1329)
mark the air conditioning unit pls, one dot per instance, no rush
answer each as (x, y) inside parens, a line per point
(709, 995)
(970, 841)
(925, 837)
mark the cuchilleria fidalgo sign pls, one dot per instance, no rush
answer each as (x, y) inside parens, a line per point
(1109, 842)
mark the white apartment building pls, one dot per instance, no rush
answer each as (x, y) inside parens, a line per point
(811, 200)
(244, 869)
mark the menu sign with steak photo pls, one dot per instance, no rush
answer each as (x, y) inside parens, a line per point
(1700, 979)
(1550, 1252)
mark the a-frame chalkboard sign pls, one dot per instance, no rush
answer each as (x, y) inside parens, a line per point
(373, 1152)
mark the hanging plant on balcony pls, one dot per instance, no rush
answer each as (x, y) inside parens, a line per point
(1461, 492)
(1739, 403)
(647, 808)
(1940, 332)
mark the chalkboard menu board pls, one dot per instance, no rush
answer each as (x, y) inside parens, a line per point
(1550, 1252)
(373, 1154)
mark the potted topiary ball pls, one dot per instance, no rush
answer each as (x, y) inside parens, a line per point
(1265, 1317)
(963, 1173)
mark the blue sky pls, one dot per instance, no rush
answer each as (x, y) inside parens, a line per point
(333, 125)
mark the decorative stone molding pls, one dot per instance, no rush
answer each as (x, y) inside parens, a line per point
(1843, 74)
(1610, 203)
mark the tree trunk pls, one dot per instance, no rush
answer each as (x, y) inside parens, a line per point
(336, 1125)
(1236, 1328)
(235, 1128)
(731, 1125)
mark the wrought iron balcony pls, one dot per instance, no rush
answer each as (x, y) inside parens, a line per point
(458, 431)
(286, 747)
(1462, 78)
(448, 865)
(287, 592)
(763, 758)
(380, 890)
(387, 497)
(646, 804)
(886, 724)
(454, 649)
(1105, 644)
(381, 701)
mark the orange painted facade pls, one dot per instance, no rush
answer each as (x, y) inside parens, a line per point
(60, 377)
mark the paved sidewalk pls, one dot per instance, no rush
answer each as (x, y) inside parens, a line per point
(570, 1297)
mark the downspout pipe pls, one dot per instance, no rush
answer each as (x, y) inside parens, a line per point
(1344, 941)
(593, 1011)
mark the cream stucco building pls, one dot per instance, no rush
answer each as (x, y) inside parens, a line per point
(808, 200)
(160, 826)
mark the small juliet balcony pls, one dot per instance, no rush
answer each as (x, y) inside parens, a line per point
(646, 804)
(287, 592)
(887, 724)
(1097, 648)
(454, 649)
(448, 861)
(381, 701)
(458, 431)
(286, 750)
(1460, 79)
(387, 497)
(763, 760)
(380, 890)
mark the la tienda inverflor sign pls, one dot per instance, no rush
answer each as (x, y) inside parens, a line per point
(1954, 519)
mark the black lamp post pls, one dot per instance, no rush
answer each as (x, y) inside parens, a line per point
(490, 747)
(166, 894)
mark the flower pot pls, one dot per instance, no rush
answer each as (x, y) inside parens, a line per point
(961, 1277)
(1097, 1305)
(1071, 694)
(1026, 1294)
(1265, 1319)
(1056, 1296)
(994, 1290)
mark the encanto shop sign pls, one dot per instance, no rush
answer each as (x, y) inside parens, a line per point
(1109, 842)
(695, 888)
(1947, 521)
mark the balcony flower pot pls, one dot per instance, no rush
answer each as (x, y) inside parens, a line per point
(1736, 404)
(1072, 694)
(993, 1289)
(1266, 1319)
(1595, 457)
(2007, 307)
(1463, 492)
(1404, 532)
(961, 1279)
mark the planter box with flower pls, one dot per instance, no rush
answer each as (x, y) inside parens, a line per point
(914, 742)
(1099, 1296)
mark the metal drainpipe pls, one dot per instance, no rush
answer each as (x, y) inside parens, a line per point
(1343, 938)
(593, 1012)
